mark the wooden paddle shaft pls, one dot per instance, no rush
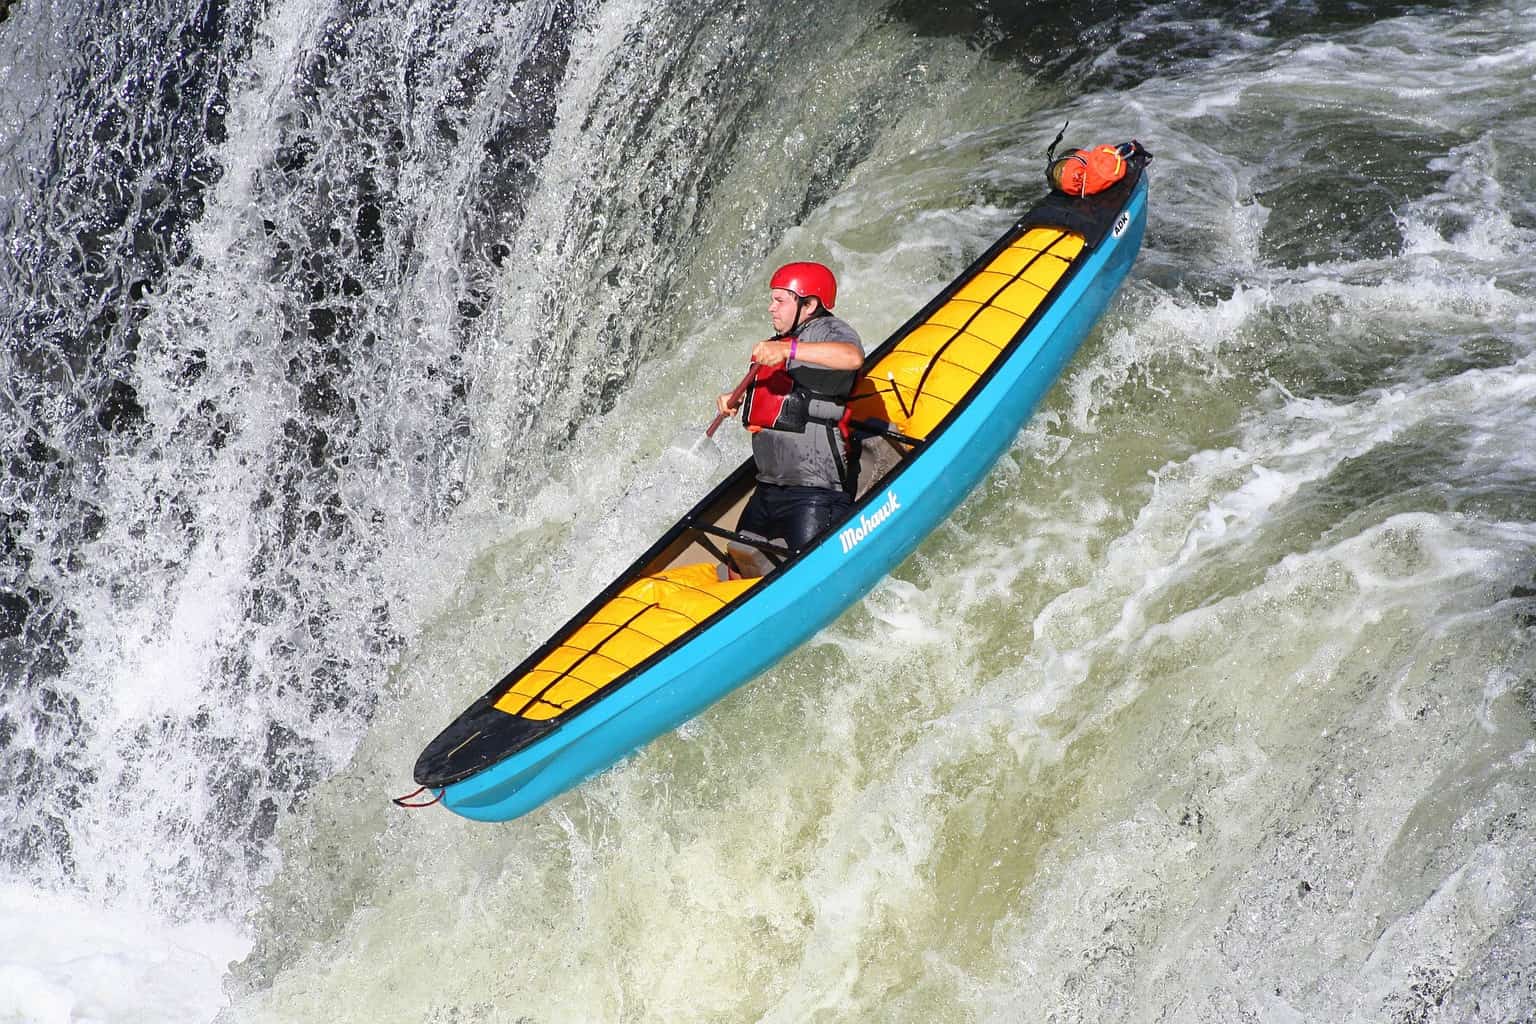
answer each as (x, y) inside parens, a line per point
(741, 389)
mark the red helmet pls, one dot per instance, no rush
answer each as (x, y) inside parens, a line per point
(807, 280)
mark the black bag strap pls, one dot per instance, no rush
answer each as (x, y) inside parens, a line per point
(1050, 151)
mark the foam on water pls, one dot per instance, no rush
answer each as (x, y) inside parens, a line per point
(65, 959)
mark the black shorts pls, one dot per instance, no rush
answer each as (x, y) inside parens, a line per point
(795, 515)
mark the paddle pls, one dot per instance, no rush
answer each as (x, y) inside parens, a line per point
(741, 389)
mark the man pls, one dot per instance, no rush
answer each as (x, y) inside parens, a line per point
(795, 407)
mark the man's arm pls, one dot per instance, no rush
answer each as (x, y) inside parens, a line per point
(834, 355)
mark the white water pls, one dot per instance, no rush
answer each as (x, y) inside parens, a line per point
(1214, 702)
(67, 960)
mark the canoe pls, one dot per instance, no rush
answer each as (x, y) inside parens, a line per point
(934, 408)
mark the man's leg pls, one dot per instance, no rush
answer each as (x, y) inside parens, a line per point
(807, 511)
(756, 521)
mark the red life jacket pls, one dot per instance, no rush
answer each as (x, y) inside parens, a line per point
(776, 401)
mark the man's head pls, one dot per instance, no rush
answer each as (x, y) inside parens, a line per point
(797, 292)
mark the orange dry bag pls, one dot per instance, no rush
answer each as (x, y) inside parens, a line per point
(1089, 171)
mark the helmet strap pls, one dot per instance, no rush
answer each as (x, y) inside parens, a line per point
(801, 301)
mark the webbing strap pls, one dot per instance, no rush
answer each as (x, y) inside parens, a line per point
(560, 676)
(1018, 275)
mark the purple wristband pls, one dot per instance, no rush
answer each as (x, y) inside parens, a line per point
(794, 343)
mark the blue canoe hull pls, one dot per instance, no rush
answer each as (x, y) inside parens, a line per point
(823, 582)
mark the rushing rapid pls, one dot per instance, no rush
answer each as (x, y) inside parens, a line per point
(349, 347)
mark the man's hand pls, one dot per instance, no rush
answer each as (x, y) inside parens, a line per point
(770, 353)
(724, 404)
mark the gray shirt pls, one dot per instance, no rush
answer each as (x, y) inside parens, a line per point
(806, 459)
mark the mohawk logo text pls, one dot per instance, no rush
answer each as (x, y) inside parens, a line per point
(867, 523)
